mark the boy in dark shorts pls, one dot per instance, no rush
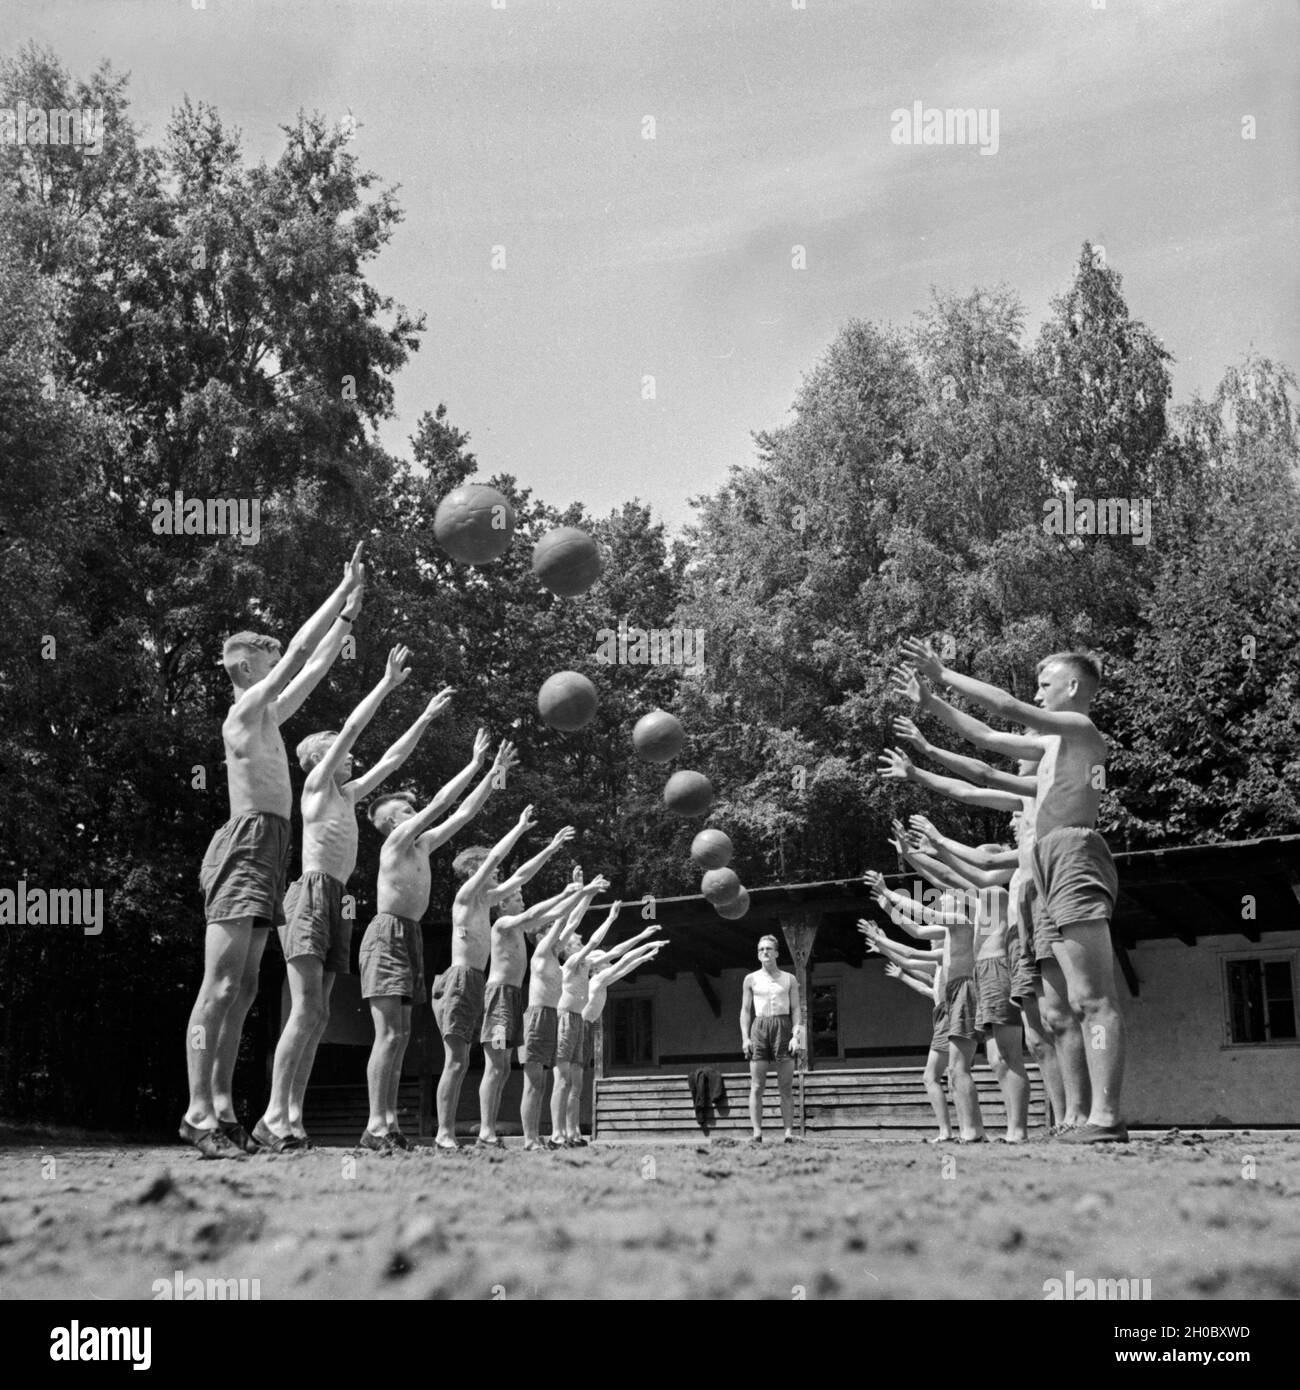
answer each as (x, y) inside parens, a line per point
(392, 950)
(503, 1007)
(459, 994)
(1050, 1025)
(1074, 877)
(316, 936)
(571, 1043)
(771, 1030)
(921, 971)
(541, 1017)
(246, 865)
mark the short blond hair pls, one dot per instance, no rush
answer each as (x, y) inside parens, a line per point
(376, 811)
(237, 647)
(1083, 666)
(314, 747)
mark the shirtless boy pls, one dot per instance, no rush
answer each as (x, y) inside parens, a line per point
(598, 985)
(921, 971)
(771, 1030)
(503, 1007)
(392, 950)
(316, 936)
(246, 865)
(1050, 1024)
(572, 1039)
(460, 996)
(952, 924)
(1074, 879)
(541, 1018)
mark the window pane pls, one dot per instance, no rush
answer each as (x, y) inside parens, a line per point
(1281, 1019)
(1246, 1000)
(1277, 979)
(632, 1044)
(824, 1017)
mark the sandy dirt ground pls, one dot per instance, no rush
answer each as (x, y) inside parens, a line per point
(1201, 1217)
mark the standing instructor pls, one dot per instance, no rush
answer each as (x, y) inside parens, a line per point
(771, 1030)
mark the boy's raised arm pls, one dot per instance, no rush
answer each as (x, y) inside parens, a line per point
(974, 770)
(473, 803)
(528, 870)
(909, 684)
(478, 879)
(896, 764)
(402, 749)
(972, 854)
(395, 672)
(1000, 702)
(320, 638)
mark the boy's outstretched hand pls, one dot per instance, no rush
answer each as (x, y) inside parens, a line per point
(894, 763)
(909, 733)
(562, 837)
(910, 686)
(506, 760)
(440, 702)
(924, 657)
(399, 666)
(352, 604)
(354, 572)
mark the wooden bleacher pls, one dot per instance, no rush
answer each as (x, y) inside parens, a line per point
(881, 1103)
(336, 1115)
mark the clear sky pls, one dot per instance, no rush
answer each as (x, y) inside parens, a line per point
(521, 124)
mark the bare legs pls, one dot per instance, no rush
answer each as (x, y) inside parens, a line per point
(298, 1091)
(232, 957)
(496, 1068)
(1085, 956)
(1005, 1056)
(305, 1024)
(1054, 1008)
(936, 1068)
(758, 1084)
(449, 1083)
(530, 1111)
(1043, 1048)
(392, 1021)
(961, 1054)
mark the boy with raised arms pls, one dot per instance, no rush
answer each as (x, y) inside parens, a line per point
(921, 971)
(503, 1007)
(1074, 879)
(460, 993)
(316, 936)
(541, 1018)
(1052, 1027)
(392, 950)
(246, 866)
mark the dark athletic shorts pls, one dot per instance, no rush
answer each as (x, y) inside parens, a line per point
(993, 988)
(1074, 881)
(771, 1038)
(315, 925)
(392, 960)
(939, 1028)
(1021, 965)
(458, 1002)
(571, 1039)
(503, 1016)
(963, 1009)
(245, 870)
(541, 1033)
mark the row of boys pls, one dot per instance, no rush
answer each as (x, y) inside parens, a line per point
(480, 996)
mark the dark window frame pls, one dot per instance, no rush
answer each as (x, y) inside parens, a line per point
(620, 1000)
(1262, 959)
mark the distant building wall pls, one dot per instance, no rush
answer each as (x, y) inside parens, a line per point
(1181, 1069)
